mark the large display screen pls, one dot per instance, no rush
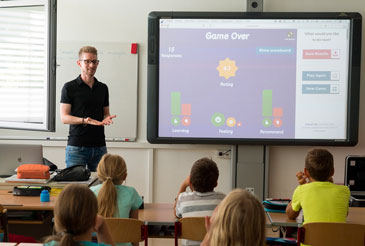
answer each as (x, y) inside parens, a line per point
(254, 78)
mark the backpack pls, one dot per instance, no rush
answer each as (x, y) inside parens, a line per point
(73, 173)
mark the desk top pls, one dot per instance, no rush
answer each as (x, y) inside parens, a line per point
(157, 213)
(10, 202)
(280, 219)
(356, 215)
(153, 213)
(53, 184)
(20, 244)
(161, 214)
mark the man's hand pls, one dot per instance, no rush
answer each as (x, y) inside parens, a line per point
(108, 120)
(302, 179)
(90, 121)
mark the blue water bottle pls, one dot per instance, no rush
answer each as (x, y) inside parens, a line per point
(45, 196)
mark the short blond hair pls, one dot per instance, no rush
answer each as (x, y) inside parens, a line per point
(112, 170)
(239, 220)
(88, 49)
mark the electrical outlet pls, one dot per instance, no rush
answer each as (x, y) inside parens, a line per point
(224, 153)
(251, 189)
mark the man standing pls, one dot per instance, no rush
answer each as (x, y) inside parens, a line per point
(85, 106)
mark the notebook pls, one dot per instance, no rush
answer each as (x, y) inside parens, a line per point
(13, 155)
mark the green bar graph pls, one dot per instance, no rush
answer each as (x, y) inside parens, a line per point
(267, 103)
(175, 103)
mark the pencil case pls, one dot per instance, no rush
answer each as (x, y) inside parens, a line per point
(33, 171)
(26, 190)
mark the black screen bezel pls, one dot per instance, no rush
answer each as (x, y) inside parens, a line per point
(353, 90)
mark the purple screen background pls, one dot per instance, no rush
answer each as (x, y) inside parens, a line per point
(195, 76)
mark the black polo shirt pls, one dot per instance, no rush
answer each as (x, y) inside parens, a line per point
(86, 102)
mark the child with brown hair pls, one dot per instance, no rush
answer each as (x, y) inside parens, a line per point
(115, 199)
(238, 220)
(202, 199)
(75, 217)
(320, 199)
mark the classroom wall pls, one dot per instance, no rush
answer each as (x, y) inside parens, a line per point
(157, 170)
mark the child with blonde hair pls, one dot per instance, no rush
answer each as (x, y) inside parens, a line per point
(238, 220)
(115, 199)
(75, 217)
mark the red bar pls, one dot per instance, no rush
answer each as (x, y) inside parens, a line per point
(277, 112)
(186, 109)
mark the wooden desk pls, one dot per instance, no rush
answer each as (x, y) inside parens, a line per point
(53, 184)
(10, 202)
(157, 214)
(356, 215)
(27, 215)
(160, 219)
(280, 219)
(20, 244)
(153, 213)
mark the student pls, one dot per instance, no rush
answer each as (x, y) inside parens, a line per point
(238, 220)
(75, 217)
(202, 200)
(115, 199)
(320, 199)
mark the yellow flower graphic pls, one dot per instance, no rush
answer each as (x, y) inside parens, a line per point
(227, 68)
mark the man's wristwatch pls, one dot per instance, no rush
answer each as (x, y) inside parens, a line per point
(84, 122)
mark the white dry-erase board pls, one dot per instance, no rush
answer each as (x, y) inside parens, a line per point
(118, 68)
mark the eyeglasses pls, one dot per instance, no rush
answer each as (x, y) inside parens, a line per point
(88, 62)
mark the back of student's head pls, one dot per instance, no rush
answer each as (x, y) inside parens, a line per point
(319, 163)
(204, 175)
(74, 213)
(239, 220)
(112, 170)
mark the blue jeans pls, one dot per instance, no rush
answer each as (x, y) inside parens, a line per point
(86, 156)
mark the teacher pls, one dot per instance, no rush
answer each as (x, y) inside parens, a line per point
(85, 106)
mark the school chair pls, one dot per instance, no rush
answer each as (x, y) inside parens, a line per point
(331, 234)
(125, 230)
(4, 223)
(190, 228)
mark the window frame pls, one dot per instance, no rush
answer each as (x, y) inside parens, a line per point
(50, 9)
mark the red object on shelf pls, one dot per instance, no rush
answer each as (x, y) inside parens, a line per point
(134, 48)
